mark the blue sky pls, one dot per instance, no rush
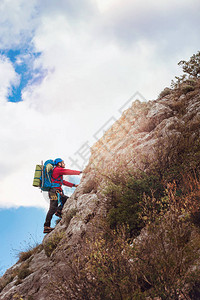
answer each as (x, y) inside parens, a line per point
(20, 229)
(21, 60)
(66, 68)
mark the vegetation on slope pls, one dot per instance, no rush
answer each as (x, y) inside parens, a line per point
(149, 244)
(162, 262)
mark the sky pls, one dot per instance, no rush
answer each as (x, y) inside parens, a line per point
(67, 68)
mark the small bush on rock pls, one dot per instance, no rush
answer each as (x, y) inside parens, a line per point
(187, 88)
(51, 244)
(69, 215)
(165, 92)
(125, 200)
(191, 71)
(24, 255)
(24, 272)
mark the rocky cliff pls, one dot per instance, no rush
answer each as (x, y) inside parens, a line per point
(147, 136)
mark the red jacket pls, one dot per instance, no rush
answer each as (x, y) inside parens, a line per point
(57, 176)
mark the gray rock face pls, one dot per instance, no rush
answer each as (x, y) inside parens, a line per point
(131, 139)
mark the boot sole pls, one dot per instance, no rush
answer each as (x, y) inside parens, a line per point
(48, 231)
(59, 216)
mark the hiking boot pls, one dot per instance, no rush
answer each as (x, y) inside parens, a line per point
(47, 229)
(58, 214)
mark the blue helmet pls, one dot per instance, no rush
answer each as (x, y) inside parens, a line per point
(57, 160)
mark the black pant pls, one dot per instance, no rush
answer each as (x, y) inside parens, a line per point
(53, 195)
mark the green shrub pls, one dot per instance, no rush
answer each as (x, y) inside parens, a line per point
(24, 272)
(69, 215)
(165, 92)
(186, 88)
(125, 199)
(191, 67)
(191, 72)
(51, 244)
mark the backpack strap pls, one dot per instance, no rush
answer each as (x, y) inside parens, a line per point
(58, 180)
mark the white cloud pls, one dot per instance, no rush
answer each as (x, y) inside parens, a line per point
(94, 56)
(104, 5)
(27, 137)
(17, 22)
(166, 23)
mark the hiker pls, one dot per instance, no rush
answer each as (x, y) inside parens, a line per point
(56, 195)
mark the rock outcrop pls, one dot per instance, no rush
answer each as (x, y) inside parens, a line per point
(133, 141)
